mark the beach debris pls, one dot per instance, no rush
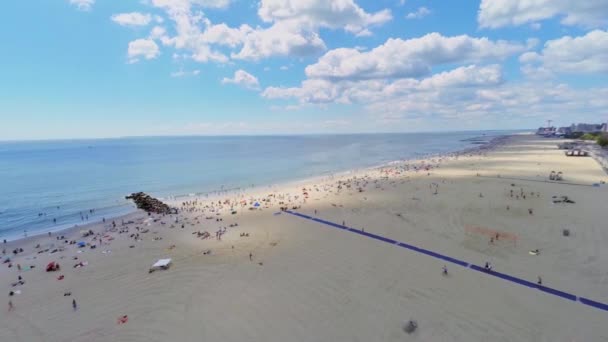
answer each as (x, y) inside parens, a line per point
(566, 232)
(562, 199)
(150, 204)
(161, 264)
(122, 319)
(81, 264)
(410, 326)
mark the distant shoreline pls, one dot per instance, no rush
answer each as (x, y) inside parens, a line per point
(491, 143)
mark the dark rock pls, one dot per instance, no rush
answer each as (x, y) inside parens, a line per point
(150, 204)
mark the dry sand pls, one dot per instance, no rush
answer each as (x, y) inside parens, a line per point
(308, 282)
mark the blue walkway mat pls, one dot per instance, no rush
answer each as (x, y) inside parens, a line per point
(512, 279)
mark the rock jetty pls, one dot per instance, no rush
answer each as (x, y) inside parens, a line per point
(150, 204)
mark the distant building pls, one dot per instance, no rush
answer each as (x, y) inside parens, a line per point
(546, 131)
(605, 127)
(563, 131)
(587, 128)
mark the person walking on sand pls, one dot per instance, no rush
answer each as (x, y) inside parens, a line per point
(540, 281)
(445, 270)
(250, 256)
(74, 305)
(11, 307)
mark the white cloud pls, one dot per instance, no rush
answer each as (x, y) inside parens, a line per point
(182, 73)
(281, 39)
(469, 93)
(244, 79)
(421, 12)
(188, 32)
(499, 13)
(531, 43)
(83, 5)
(296, 23)
(408, 58)
(319, 91)
(222, 34)
(158, 32)
(132, 19)
(515, 102)
(145, 48)
(313, 14)
(293, 31)
(573, 55)
(469, 76)
(186, 4)
(311, 91)
(390, 71)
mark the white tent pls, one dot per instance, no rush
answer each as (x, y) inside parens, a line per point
(161, 264)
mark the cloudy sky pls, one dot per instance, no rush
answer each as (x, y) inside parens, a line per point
(108, 68)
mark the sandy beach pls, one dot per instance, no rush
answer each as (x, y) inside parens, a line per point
(247, 272)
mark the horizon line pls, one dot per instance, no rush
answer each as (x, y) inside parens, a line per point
(249, 135)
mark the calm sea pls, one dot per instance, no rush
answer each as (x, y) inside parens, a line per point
(50, 185)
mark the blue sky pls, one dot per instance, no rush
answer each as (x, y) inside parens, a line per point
(101, 68)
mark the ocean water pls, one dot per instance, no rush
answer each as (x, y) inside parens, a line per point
(51, 185)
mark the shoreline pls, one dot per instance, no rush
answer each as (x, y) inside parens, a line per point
(492, 143)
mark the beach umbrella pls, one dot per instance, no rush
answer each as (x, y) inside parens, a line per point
(81, 244)
(257, 204)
